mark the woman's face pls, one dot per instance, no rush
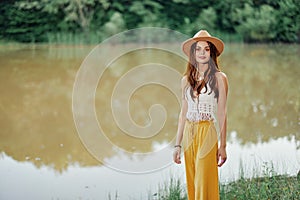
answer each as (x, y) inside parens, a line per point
(202, 52)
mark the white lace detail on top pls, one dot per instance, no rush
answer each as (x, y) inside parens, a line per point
(201, 108)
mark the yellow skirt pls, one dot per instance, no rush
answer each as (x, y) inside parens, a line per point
(200, 154)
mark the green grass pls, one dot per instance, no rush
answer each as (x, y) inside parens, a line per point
(74, 38)
(95, 37)
(268, 187)
(274, 187)
(173, 190)
(229, 37)
(264, 188)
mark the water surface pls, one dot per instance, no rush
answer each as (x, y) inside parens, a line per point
(42, 156)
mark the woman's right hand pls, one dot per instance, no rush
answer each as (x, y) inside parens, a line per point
(176, 155)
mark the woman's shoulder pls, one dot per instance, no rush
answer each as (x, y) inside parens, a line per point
(221, 75)
(222, 79)
(184, 81)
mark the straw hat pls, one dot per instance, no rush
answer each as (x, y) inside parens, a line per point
(203, 35)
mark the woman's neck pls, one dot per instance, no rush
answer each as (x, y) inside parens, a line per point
(202, 67)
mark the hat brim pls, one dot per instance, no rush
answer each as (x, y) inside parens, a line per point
(186, 46)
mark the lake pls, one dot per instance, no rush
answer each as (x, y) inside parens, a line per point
(74, 127)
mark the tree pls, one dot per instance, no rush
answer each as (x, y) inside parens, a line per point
(254, 20)
(115, 25)
(80, 12)
(256, 24)
(149, 11)
(26, 23)
(206, 20)
(288, 23)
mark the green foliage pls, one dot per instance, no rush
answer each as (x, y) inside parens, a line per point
(253, 20)
(269, 186)
(173, 190)
(115, 25)
(5, 8)
(26, 23)
(264, 23)
(206, 20)
(288, 24)
(149, 11)
(225, 10)
(256, 24)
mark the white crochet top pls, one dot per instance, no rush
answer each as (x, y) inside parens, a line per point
(203, 107)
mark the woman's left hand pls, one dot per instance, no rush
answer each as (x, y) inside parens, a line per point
(221, 154)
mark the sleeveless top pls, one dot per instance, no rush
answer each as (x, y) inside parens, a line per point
(203, 107)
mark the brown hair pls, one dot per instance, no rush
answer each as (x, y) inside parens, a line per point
(209, 76)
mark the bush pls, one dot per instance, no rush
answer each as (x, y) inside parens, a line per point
(256, 24)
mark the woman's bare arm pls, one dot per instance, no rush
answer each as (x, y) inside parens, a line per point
(181, 122)
(222, 116)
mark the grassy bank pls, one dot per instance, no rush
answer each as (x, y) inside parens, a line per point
(97, 37)
(274, 187)
(263, 188)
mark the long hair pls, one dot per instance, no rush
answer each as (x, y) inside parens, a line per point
(209, 75)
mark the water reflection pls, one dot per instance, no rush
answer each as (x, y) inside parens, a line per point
(98, 182)
(264, 92)
(36, 116)
(36, 93)
(141, 100)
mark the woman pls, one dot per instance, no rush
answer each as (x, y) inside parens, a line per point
(202, 117)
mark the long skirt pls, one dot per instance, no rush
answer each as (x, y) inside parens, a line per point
(200, 154)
